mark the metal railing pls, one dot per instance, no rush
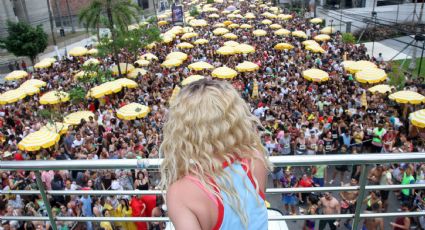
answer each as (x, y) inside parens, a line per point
(280, 161)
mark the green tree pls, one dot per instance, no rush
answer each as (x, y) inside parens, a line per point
(348, 38)
(194, 12)
(119, 14)
(77, 94)
(25, 40)
(396, 76)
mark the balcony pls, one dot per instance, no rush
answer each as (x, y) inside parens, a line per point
(364, 160)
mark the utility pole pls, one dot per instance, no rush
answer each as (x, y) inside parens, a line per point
(51, 22)
(412, 64)
(70, 16)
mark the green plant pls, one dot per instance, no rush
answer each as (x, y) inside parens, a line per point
(210, 1)
(396, 76)
(348, 38)
(25, 40)
(194, 12)
(77, 94)
(49, 114)
(119, 14)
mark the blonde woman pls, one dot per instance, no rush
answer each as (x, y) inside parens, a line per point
(214, 167)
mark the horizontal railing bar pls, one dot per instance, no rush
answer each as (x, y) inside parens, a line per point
(158, 192)
(279, 161)
(166, 219)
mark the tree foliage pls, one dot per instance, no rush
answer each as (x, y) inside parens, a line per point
(348, 38)
(25, 40)
(124, 12)
(77, 94)
(397, 76)
(194, 12)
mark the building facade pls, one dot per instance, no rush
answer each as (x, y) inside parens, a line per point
(34, 12)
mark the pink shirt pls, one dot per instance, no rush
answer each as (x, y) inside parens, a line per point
(47, 177)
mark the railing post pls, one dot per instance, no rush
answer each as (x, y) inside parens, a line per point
(362, 184)
(45, 200)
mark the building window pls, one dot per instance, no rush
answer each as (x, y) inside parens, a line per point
(144, 4)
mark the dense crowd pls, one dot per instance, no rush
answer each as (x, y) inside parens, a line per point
(299, 117)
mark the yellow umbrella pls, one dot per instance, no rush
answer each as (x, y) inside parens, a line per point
(316, 20)
(249, 16)
(142, 62)
(170, 63)
(247, 66)
(198, 23)
(151, 45)
(220, 31)
(125, 82)
(78, 51)
(418, 118)
(407, 97)
(284, 16)
(224, 72)
(322, 37)
(162, 23)
(191, 79)
(176, 92)
(282, 32)
(371, 76)
(50, 59)
(327, 30)
(29, 89)
(56, 127)
(226, 23)
(219, 25)
(54, 97)
(15, 75)
(357, 66)
(167, 38)
(310, 42)
(299, 34)
(76, 117)
(125, 68)
(200, 41)
(315, 75)
(245, 26)
(104, 89)
(135, 72)
(230, 36)
(38, 140)
(176, 55)
(275, 26)
(244, 48)
(190, 35)
(149, 57)
(381, 89)
(233, 26)
(283, 46)
(266, 22)
(315, 48)
(200, 66)
(83, 73)
(34, 82)
(185, 45)
(259, 33)
(93, 51)
(42, 65)
(11, 96)
(231, 43)
(132, 111)
(226, 50)
(91, 61)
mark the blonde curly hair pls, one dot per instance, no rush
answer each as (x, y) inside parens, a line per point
(209, 123)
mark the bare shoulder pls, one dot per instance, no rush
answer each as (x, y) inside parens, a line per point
(260, 171)
(188, 206)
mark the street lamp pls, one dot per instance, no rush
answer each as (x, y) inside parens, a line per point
(331, 24)
(374, 14)
(421, 38)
